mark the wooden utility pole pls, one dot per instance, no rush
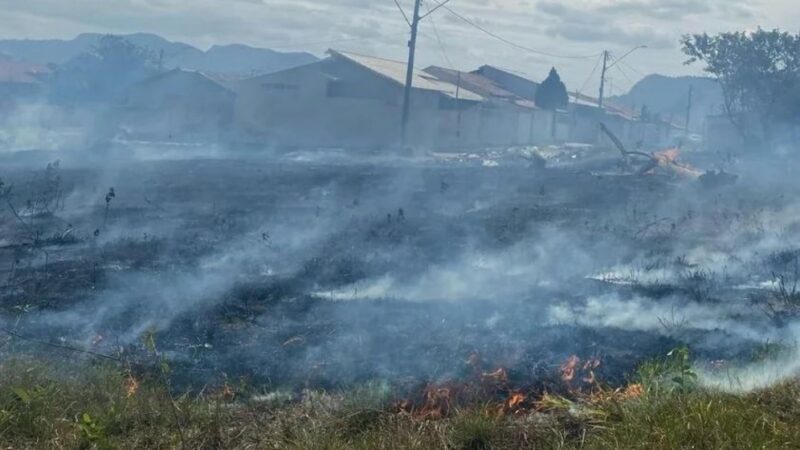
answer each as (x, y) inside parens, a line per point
(603, 79)
(412, 47)
(689, 109)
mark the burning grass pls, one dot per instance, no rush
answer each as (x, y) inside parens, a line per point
(61, 405)
(493, 267)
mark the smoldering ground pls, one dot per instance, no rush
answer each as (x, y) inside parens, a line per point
(296, 270)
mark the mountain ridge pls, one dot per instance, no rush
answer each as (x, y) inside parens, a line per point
(238, 59)
(669, 97)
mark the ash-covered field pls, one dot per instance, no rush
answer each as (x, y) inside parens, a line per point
(299, 270)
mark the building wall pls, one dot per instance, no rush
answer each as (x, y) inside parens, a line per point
(459, 128)
(178, 105)
(585, 128)
(563, 126)
(622, 128)
(335, 103)
(584, 124)
(331, 104)
(499, 126)
(549, 127)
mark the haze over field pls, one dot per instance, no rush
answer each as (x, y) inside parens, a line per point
(263, 224)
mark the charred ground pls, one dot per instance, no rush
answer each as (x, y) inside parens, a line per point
(298, 272)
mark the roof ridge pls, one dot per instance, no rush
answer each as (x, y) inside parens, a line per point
(345, 52)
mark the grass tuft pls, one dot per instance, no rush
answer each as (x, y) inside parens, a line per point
(49, 405)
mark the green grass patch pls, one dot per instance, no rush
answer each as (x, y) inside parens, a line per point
(77, 407)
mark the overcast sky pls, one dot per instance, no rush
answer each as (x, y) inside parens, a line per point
(567, 28)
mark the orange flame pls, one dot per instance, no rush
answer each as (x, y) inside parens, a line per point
(437, 403)
(632, 391)
(515, 400)
(568, 368)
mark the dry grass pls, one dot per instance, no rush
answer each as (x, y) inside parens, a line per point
(59, 406)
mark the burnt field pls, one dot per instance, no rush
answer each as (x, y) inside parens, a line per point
(294, 272)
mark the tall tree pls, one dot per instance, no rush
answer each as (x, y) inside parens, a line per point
(552, 93)
(759, 73)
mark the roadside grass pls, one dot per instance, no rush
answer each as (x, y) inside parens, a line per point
(65, 406)
(705, 420)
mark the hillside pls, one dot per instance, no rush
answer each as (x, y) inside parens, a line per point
(226, 59)
(13, 71)
(669, 96)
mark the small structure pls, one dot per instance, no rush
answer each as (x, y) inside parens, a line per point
(503, 119)
(586, 115)
(350, 100)
(580, 122)
(556, 123)
(632, 129)
(179, 105)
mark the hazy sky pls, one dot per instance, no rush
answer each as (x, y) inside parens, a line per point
(570, 28)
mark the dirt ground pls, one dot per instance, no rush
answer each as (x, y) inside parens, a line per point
(316, 270)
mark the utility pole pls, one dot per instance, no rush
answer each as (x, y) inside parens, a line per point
(458, 106)
(689, 109)
(412, 47)
(606, 57)
(603, 79)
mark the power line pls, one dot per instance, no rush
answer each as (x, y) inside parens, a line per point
(631, 83)
(624, 74)
(594, 69)
(511, 43)
(400, 8)
(617, 60)
(436, 33)
(638, 72)
(431, 11)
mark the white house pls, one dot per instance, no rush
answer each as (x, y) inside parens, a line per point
(181, 105)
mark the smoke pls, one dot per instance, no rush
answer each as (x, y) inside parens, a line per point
(753, 376)
(525, 268)
(319, 268)
(39, 125)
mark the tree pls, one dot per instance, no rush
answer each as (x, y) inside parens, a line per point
(644, 115)
(103, 73)
(552, 94)
(759, 73)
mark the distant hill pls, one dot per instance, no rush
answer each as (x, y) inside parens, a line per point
(226, 59)
(668, 96)
(15, 71)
